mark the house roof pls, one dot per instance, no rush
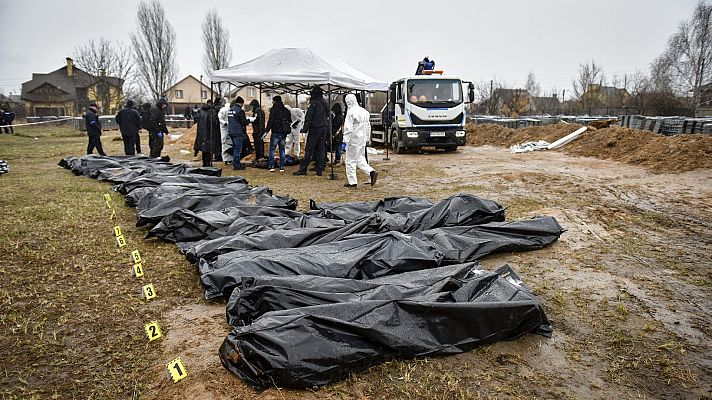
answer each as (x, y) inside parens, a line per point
(59, 80)
(187, 77)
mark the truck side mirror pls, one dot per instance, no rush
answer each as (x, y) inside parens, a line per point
(471, 92)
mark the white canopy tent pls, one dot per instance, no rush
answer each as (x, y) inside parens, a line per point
(296, 70)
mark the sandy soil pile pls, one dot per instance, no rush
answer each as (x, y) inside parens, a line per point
(655, 152)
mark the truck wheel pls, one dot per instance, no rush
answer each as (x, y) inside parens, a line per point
(395, 143)
(450, 148)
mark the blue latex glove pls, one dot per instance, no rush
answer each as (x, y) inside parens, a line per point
(264, 135)
(160, 135)
(343, 146)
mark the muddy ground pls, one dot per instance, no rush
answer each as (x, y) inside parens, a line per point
(627, 287)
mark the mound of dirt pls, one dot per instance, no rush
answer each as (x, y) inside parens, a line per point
(496, 135)
(655, 152)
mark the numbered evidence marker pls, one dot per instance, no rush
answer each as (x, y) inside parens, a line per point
(113, 215)
(153, 331)
(117, 231)
(137, 270)
(107, 200)
(149, 292)
(135, 257)
(121, 241)
(176, 369)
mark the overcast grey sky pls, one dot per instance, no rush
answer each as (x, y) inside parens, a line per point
(473, 39)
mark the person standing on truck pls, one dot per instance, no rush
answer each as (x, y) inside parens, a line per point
(91, 118)
(294, 137)
(157, 127)
(357, 130)
(129, 121)
(316, 127)
(426, 64)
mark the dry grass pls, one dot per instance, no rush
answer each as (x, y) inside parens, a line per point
(72, 317)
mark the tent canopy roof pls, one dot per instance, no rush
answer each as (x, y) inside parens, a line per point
(297, 70)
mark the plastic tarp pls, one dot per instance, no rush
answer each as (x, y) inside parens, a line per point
(459, 244)
(309, 346)
(155, 179)
(361, 257)
(295, 68)
(256, 296)
(173, 190)
(317, 295)
(150, 213)
(122, 169)
(188, 226)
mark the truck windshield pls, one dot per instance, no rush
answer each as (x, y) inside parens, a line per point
(434, 92)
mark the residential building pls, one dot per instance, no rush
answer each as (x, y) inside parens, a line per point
(187, 92)
(67, 91)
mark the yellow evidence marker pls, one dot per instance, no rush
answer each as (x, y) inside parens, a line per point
(137, 270)
(176, 369)
(153, 331)
(148, 291)
(121, 241)
(117, 231)
(135, 257)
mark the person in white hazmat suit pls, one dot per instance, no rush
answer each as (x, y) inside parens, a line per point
(357, 129)
(294, 137)
(225, 139)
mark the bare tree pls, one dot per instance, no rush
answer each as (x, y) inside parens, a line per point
(532, 86)
(687, 61)
(489, 94)
(103, 59)
(639, 86)
(216, 37)
(154, 48)
(588, 84)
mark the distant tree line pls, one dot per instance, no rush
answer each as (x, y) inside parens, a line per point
(678, 82)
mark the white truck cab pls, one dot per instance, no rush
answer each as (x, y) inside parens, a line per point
(424, 111)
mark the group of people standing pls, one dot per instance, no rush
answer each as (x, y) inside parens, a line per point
(131, 121)
(222, 133)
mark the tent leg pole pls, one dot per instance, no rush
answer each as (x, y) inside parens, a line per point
(332, 176)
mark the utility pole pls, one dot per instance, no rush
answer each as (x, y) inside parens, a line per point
(563, 98)
(491, 93)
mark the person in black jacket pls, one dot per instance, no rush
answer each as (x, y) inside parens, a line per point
(215, 140)
(315, 125)
(258, 129)
(157, 127)
(145, 113)
(280, 123)
(6, 118)
(129, 121)
(93, 130)
(236, 128)
(337, 135)
(203, 139)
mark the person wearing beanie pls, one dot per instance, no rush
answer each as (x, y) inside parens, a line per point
(236, 128)
(91, 118)
(157, 128)
(129, 121)
(280, 123)
(316, 128)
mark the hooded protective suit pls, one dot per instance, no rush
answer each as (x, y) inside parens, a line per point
(295, 136)
(225, 139)
(357, 130)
